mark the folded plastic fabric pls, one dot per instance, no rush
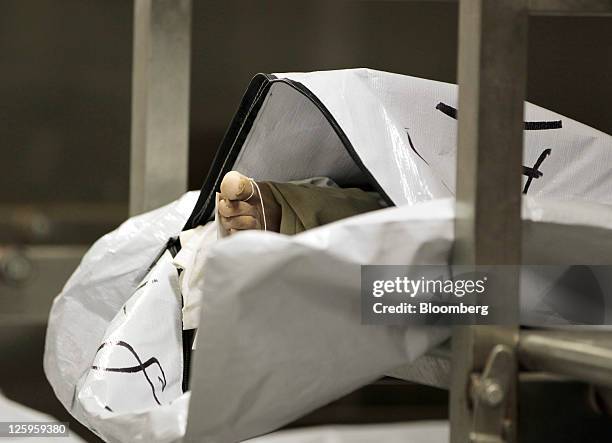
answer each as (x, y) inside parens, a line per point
(404, 131)
(281, 330)
(105, 280)
(195, 244)
(283, 337)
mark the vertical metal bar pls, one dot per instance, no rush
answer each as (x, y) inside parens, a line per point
(160, 102)
(491, 72)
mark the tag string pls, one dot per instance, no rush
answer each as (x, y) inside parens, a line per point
(263, 209)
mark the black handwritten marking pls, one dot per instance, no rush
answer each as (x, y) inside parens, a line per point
(532, 173)
(413, 148)
(140, 367)
(528, 126)
(446, 109)
(543, 125)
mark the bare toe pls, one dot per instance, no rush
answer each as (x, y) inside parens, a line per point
(242, 207)
(240, 223)
(229, 208)
(236, 186)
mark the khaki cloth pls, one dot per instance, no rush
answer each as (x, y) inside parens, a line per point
(306, 206)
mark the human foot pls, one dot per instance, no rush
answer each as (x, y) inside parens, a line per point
(240, 205)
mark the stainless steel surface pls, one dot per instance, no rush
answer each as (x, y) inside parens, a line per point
(491, 73)
(30, 278)
(582, 355)
(471, 349)
(160, 102)
(491, 394)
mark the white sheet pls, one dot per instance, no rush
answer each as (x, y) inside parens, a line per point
(283, 335)
(413, 432)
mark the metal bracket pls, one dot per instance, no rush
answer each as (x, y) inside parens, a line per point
(491, 396)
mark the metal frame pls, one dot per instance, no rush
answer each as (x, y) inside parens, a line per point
(160, 103)
(488, 207)
(483, 377)
(491, 73)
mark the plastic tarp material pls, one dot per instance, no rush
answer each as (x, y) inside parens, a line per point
(139, 363)
(408, 117)
(400, 130)
(270, 356)
(81, 316)
(286, 335)
(280, 332)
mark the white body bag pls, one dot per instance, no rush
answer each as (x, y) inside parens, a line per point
(283, 335)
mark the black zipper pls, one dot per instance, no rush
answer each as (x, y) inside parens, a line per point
(238, 131)
(229, 149)
(227, 154)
